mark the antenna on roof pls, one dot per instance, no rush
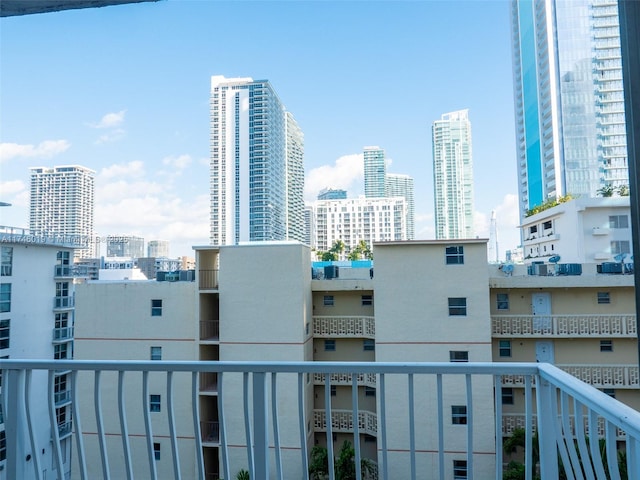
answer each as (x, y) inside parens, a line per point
(620, 257)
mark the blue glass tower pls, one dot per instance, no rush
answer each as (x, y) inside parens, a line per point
(569, 102)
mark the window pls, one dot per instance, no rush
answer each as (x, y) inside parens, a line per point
(606, 345)
(5, 297)
(369, 392)
(620, 246)
(459, 470)
(604, 297)
(156, 451)
(62, 258)
(334, 390)
(459, 414)
(618, 221)
(507, 396)
(505, 348)
(328, 301)
(368, 345)
(156, 353)
(154, 403)
(62, 289)
(7, 262)
(502, 301)
(533, 229)
(547, 225)
(156, 308)
(4, 333)
(367, 300)
(458, 356)
(454, 255)
(369, 439)
(610, 391)
(61, 352)
(329, 345)
(458, 306)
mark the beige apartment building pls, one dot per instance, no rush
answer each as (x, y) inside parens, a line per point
(428, 301)
(584, 324)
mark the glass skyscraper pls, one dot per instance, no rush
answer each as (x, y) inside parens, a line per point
(400, 185)
(453, 176)
(375, 171)
(257, 175)
(569, 103)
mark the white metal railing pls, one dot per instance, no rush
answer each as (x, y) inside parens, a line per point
(344, 326)
(61, 334)
(255, 390)
(622, 325)
(208, 279)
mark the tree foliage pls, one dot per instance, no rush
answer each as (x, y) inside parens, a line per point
(344, 464)
(552, 202)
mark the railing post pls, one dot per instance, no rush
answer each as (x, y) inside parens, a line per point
(546, 432)
(13, 390)
(260, 426)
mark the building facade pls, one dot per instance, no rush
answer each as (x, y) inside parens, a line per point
(37, 316)
(332, 194)
(357, 219)
(256, 164)
(453, 176)
(62, 203)
(569, 99)
(399, 185)
(125, 246)
(158, 248)
(375, 172)
(584, 230)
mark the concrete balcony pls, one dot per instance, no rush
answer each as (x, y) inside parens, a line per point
(63, 303)
(210, 331)
(62, 334)
(564, 326)
(345, 379)
(344, 326)
(265, 427)
(598, 376)
(208, 279)
(342, 421)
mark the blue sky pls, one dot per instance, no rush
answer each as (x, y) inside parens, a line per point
(125, 91)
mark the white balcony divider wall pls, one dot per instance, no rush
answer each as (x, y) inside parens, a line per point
(562, 425)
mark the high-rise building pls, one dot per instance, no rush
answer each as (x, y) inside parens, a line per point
(375, 171)
(295, 179)
(309, 226)
(125, 246)
(332, 194)
(356, 219)
(453, 176)
(569, 100)
(158, 248)
(399, 185)
(62, 204)
(256, 164)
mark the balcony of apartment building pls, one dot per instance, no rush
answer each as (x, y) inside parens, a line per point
(344, 326)
(440, 420)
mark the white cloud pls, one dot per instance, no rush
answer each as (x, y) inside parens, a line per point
(110, 120)
(11, 187)
(110, 137)
(346, 173)
(46, 149)
(133, 169)
(180, 162)
(424, 226)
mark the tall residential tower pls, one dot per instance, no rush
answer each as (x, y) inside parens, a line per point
(453, 176)
(62, 204)
(375, 171)
(256, 164)
(569, 101)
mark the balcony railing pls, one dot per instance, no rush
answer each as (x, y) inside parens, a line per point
(344, 326)
(564, 326)
(368, 380)
(208, 279)
(62, 334)
(342, 421)
(209, 330)
(63, 302)
(412, 423)
(598, 376)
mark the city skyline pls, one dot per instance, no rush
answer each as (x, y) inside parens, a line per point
(146, 135)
